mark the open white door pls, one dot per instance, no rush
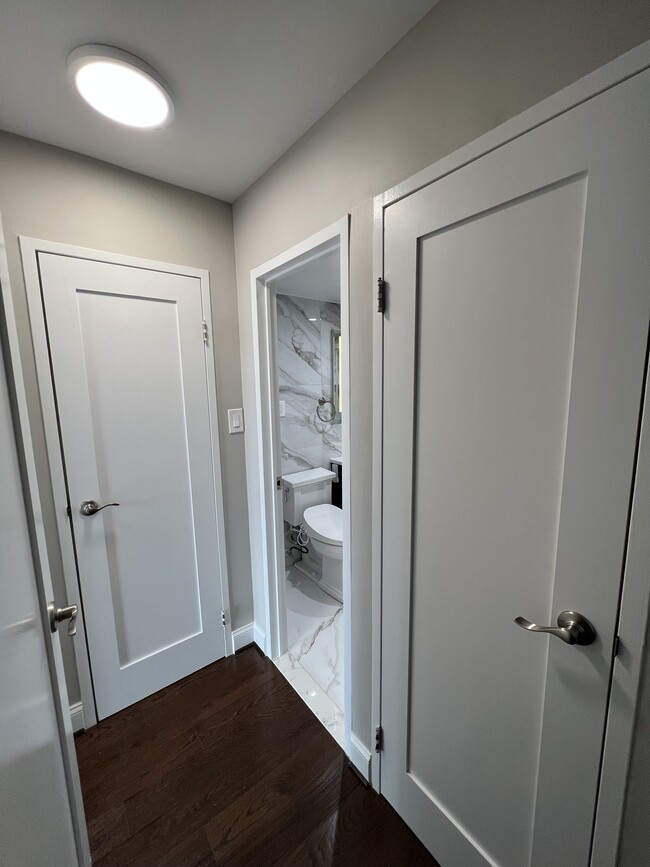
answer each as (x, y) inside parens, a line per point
(518, 302)
(129, 356)
(41, 813)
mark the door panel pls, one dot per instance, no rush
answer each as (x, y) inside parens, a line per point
(129, 368)
(489, 543)
(519, 311)
(37, 807)
(159, 506)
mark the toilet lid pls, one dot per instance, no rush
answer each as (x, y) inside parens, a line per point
(325, 523)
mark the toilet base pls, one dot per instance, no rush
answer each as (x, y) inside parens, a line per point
(312, 568)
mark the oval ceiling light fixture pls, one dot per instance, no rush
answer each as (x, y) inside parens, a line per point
(120, 86)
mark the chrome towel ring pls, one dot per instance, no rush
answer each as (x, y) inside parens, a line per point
(319, 410)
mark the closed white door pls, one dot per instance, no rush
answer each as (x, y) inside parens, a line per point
(129, 367)
(518, 301)
(41, 820)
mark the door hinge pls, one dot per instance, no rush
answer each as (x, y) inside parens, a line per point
(205, 332)
(381, 295)
(617, 645)
(68, 511)
(379, 739)
(223, 617)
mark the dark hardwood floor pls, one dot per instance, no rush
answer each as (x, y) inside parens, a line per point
(229, 767)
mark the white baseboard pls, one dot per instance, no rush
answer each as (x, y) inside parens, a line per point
(242, 637)
(77, 717)
(360, 757)
(246, 635)
(259, 638)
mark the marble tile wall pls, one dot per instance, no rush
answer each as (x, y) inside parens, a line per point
(304, 328)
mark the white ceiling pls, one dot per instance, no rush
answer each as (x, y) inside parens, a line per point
(317, 276)
(248, 77)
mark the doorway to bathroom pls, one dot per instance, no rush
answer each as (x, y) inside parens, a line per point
(301, 471)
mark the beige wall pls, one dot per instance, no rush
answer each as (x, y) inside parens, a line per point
(53, 194)
(465, 68)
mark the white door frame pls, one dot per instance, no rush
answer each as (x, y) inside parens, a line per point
(29, 249)
(266, 523)
(41, 561)
(635, 600)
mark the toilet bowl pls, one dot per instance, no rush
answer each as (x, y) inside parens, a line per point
(324, 526)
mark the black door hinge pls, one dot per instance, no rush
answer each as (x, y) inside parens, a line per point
(381, 295)
(223, 617)
(379, 739)
(617, 646)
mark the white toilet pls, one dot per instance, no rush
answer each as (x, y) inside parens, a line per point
(324, 525)
(307, 500)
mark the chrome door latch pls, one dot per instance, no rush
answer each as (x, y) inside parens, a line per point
(91, 507)
(58, 615)
(572, 627)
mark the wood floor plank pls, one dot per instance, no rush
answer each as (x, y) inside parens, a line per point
(107, 830)
(138, 768)
(255, 717)
(213, 691)
(205, 687)
(364, 830)
(265, 818)
(243, 754)
(193, 851)
(109, 733)
(229, 767)
(197, 803)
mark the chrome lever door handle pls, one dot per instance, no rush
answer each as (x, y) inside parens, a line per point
(91, 507)
(564, 634)
(572, 627)
(58, 615)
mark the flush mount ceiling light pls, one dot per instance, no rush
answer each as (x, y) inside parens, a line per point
(120, 86)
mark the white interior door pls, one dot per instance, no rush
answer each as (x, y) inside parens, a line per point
(518, 308)
(129, 367)
(41, 816)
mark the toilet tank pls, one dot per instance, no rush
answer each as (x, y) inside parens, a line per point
(304, 489)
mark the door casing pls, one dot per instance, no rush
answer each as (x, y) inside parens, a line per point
(30, 248)
(635, 600)
(263, 465)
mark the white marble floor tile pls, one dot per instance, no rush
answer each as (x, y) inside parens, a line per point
(313, 665)
(314, 697)
(307, 607)
(321, 655)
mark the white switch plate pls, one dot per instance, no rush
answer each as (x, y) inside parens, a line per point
(236, 420)
(283, 408)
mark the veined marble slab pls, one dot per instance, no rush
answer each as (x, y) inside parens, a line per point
(301, 441)
(307, 606)
(299, 340)
(321, 655)
(304, 329)
(314, 662)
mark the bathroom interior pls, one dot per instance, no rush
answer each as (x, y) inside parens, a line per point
(306, 309)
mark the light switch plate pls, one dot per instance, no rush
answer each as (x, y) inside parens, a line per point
(236, 420)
